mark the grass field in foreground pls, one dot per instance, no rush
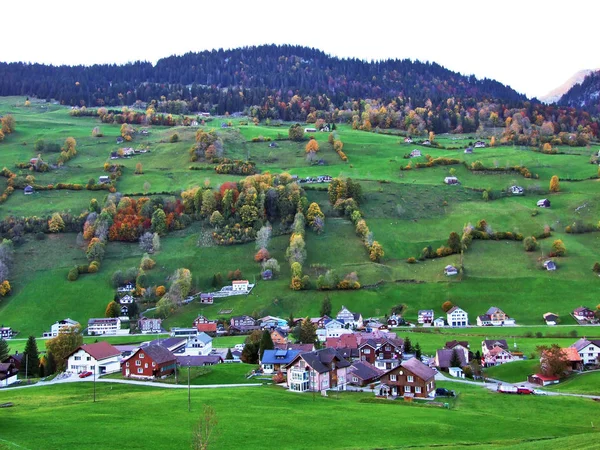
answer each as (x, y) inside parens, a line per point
(252, 418)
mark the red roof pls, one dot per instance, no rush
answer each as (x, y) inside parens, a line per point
(344, 341)
(99, 350)
(212, 326)
(572, 354)
(545, 378)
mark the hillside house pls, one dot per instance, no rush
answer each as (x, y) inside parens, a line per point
(450, 270)
(494, 317)
(439, 322)
(551, 318)
(104, 325)
(147, 325)
(583, 314)
(207, 299)
(203, 324)
(9, 374)
(425, 316)
(201, 345)
(451, 180)
(355, 320)
(549, 265)
(242, 324)
(317, 371)
(362, 373)
(28, 190)
(415, 153)
(469, 150)
(395, 320)
(61, 326)
(543, 203)
(151, 361)
(103, 179)
(589, 350)
(240, 285)
(279, 336)
(516, 190)
(410, 379)
(457, 317)
(99, 358)
(6, 332)
(479, 144)
(274, 361)
(408, 140)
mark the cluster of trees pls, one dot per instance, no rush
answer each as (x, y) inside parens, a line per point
(431, 162)
(337, 146)
(208, 146)
(7, 126)
(10, 184)
(69, 151)
(296, 253)
(330, 280)
(270, 266)
(227, 166)
(6, 260)
(180, 287)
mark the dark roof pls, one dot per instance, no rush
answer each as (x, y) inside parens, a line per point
(364, 370)
(200, 360)
(490, 344)
(279, 356)
(454, 343)
(444, 356)
(169, 342)
(419, 369)
(494, 310)
(157, 353)
(302, 348)
(320, 360)
(348, 353)
(99, 350)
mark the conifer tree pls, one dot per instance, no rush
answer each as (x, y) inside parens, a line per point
(31, 358)
(266, 343)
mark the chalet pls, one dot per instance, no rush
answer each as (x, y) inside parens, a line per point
(410, 379)
(516, 190)
(279, 336)
(589, 350)
(415, 153)
(15, 359)
(8, 374)
(362, 373)
(173, 344)
(443, 358)
(542, 380)
(240, 285)
(451, 180)
(126, 300)
(395, 320)
(28, 190)
(99, 358)
(103, 179)
(275, 360)
(203, 324)
(207, 299)
(198, 360)
(425, 316)
(439, 322)
(104, 325)
(200, 344)
(151, 361)
(551, 318)
(408, 140)
(147, 325)
(494, 317)
(469, 150)
(6, 332)
(273, 322)
(479, 144)
(243, 324)
(317, 371)
(310, 130)
(544, 203)
(346, 317)
(450, 270)
(319, 322)
(583, 314)
(549, 265)
(62, 326)
(457, 317)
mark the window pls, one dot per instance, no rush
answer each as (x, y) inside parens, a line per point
(153, 364)
(127, 364)
(367, 351)
(417, 389)
(146, 365)
(89, 358)
(141, 356)
(392, 377)
(140, 370)
(78, 358)
(138, 363)
(354, 380)
(410, 379)
(406, 388)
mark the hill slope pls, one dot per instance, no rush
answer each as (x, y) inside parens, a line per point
(555, 94)
(585, 95)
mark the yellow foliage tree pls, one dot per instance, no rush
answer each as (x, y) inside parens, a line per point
(431, 136)
(493, 141)
(554, 184)
(376, 252)
(4, 288)
(139, 169)
(312, 146)
(56, 223)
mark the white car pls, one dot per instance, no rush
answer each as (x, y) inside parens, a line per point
(538, 392)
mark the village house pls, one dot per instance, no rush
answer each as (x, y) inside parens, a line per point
(28, 190)
(99, 358)
(62, 326)
(151, 361)
(443, 358)
(450, 270)
(242, 324)
(410, 379)
(583, 314)
(440, 322)
(462, 346)
(589, 350)
(279, 336)
(319, 322)
(495, 352)
(551, 318)
(395, 320)
(147, 325)
(343, 341)
(6, 332)
(201, 345)
(355, 320)
(271, 322)
(203, 324)
(457, 317)
(173, 344)
(362, 373)
(425, 316)
(15, 359)
(104, 325)
(317, 371)
(451, 180)
(274, 361)
(240, 285)
(126, 300)
(207, 299)
(9, 374)
(495, 317)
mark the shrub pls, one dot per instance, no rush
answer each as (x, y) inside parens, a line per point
(596, 267)
(411, 260)
(73, 274)
(530, 244)
(160, 291)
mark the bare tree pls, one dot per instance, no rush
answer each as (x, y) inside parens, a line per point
(205, 433)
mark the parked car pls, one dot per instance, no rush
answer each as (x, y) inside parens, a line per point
(443, 392)
(538, 392)
(85, 374)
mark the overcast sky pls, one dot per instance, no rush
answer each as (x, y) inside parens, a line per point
(533, 46)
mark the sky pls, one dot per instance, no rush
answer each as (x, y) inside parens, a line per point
(531, 45)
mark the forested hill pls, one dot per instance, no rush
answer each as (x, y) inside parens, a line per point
(252, 74)
(585, 95)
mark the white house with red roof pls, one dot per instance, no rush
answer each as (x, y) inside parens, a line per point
(99, 358)
(240, 285)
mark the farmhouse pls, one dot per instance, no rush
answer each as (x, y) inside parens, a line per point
(425, 316)
(544, 203)
(551, 318)
(200, 344)
(28, 190)
(240, 285)
(589, 350)
(451, 180)
(410, 379)
(15, 359)
(550, 265)
(150, 361)
(496, 317)
(104, 179)
(61, 326)
(147, 325)
(104, 325)
(583, 314)
(99, 358)
(275, 360)
(6, 332)
(207, 299)
(203, 324)
(457, 317)
(450, 270)
(8, 374)
(316, 371)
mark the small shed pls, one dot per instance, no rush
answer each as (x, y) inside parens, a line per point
(469, 150)
(439, 322)
(551, 318)
(207, 299)
(544, 203)
(104, 179)
(450, 270)
(456, 372)
(310, 130)
(550, 265)
(451, 180)
(542, 380)
(28, 190)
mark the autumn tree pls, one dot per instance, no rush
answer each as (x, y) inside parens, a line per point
(112, 309)
(454, 242)
(558, 248)
(139, 169)
(209, 203)
(554, 184)
(313, 212)
(262, 255)
(56, 223)
(8, 124)
(447, 306)
(553, 360)
(312, 146)
(376, 252)
(65, 343)
(206, 431)
(127, 131)
(216, 219)
(296, 133)
(530, 244)
(159, 222)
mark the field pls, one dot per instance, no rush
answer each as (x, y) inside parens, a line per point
(154, 415)
(585, 383)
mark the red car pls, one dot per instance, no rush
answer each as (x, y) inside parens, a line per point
(85, 374)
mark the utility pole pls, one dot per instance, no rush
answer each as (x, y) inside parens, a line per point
(189, 391)
(26, 368)
(94, 384)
